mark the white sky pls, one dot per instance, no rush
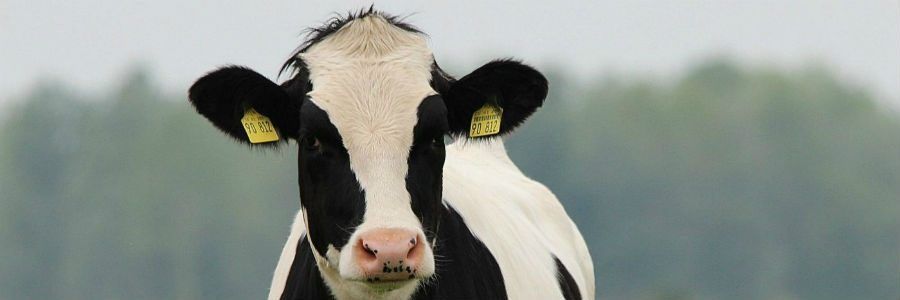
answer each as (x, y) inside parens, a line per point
(91, 43)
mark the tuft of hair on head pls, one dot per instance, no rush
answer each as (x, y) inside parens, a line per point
(314, 35)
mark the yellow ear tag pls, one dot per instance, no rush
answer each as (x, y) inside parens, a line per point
(258, 127)
(486, 121)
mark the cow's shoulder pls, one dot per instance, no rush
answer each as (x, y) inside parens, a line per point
(518, 219)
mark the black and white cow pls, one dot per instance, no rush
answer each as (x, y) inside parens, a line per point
(388, 211)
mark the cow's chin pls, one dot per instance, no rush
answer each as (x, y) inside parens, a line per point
(346, 282)
(382, 290)
(356, 287)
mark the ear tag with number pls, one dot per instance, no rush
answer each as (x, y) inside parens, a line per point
(258, 127)
(486, 121)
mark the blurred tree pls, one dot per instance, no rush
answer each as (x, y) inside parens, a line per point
(35, 152)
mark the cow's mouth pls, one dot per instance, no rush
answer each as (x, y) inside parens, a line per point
(383, 286)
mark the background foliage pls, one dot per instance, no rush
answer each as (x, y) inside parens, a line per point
(728, 183)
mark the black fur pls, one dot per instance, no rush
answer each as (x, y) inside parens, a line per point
(566, 283)
(466, 269)
(511, 85)
(298, 86)
(440, 80)
(223, 96)
(426, 163)
(329, 191)
(304, 280)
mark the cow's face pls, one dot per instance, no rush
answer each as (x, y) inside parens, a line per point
(369, 110)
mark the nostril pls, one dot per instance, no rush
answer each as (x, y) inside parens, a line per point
(415, 249)
(370, 252)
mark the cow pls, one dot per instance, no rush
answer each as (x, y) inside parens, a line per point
(388, 208)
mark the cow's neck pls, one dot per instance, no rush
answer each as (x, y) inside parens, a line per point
(304, 280)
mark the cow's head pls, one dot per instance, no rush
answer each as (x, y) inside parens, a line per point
(369, 108)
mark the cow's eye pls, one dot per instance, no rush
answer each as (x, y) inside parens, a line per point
(311, 143)
(438, 141)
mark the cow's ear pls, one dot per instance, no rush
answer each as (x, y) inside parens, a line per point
(515, 88)
(225, 96)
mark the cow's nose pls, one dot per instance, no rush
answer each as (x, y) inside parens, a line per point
(389, 254)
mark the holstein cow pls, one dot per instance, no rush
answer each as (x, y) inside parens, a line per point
(388, 211)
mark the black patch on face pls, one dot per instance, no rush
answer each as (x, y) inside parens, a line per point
(426, 163)
(566, 283)
(304, 281)
(329, 190)
(465, 268)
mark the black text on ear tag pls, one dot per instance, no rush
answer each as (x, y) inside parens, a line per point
(486, 121)
(258, 127)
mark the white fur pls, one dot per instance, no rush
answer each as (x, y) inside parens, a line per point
(518, 219)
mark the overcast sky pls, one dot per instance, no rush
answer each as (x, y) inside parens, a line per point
(91, 43)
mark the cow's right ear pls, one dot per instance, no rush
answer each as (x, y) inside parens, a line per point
(225, 95)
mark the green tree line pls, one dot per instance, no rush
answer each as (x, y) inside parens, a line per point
(730, 182)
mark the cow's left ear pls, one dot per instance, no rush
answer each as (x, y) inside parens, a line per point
(514, 87)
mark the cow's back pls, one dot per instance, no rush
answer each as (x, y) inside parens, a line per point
(518, 219)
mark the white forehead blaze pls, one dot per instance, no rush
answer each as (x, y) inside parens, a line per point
(370, 77)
